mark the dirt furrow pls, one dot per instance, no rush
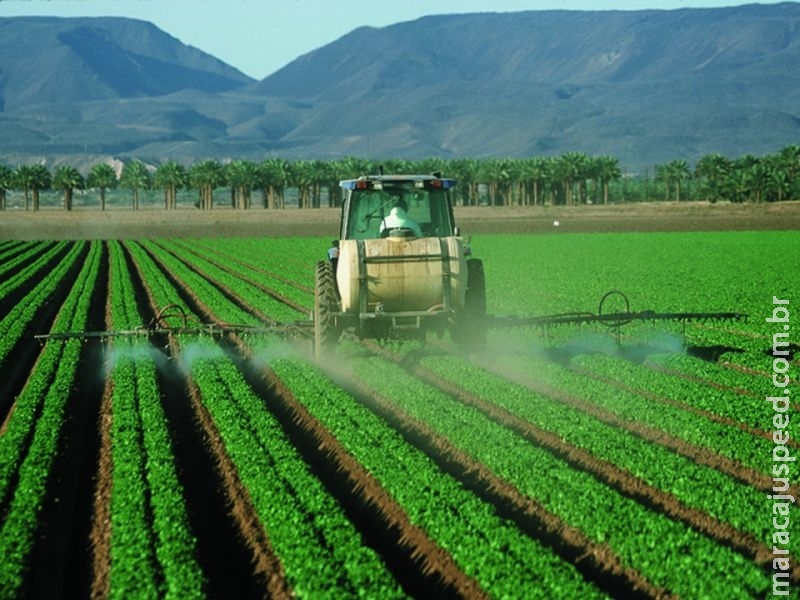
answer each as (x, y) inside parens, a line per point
(100, 536)
(236, 298)
(272, 274)
(706, 414)
(596, 561)
(421, 565)
(234, 550)
(616, 477)
(61, 563)
(700, 455)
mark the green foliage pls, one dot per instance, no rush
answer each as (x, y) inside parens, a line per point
(615, 393)
(153, 551)
(30, 443)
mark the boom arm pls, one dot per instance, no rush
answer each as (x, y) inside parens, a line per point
(614, 320)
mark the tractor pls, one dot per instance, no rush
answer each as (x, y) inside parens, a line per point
(403, 268)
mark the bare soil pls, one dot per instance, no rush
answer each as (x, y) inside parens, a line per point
(52, 223)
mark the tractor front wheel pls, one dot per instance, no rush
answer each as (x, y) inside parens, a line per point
(326, 331)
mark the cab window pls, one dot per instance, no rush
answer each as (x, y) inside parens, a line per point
(367, 209)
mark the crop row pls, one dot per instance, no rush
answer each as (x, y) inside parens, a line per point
(737, 503)
(575, 495)
(31, 440)
(19, 318)
(29, 271)
(318, 547)
(565, 470)
(15, 258)
(495, 552)
(388, 457)
(152, 549)
(720, 509)
(628, 405)
(262, 302)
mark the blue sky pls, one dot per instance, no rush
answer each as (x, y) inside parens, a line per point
(260, 36)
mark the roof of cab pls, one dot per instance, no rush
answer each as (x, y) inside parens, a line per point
(370, 181)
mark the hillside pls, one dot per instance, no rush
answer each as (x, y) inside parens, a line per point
(644, 86)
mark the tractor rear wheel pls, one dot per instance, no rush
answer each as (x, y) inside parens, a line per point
(326, 331)
(471, 328)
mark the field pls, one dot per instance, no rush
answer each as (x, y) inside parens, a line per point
(237, 466)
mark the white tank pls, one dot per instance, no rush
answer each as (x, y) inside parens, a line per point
(402, 274)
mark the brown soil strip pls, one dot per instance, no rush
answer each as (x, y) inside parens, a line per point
(188, 222)
(721, 386)
(364, 493)
(268, 291)
(61, 564)
(698, 454)
(597, 562)
(100, 536)
(265, 563)
(617, 478)
(21, 361)
(706, 414)
(272, 274)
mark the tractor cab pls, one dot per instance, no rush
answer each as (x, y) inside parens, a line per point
(383, 206)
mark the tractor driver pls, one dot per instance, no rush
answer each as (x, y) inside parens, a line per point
(398, 219)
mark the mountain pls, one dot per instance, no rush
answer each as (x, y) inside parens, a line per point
(55, 60)
(644, 86)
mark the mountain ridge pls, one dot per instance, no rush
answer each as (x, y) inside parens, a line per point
(644, 86)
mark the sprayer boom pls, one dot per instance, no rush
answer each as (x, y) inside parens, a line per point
(614, 320)
(173, 320)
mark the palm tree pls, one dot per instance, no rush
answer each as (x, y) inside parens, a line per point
(571, 167)
(318, 173)
(674, 173)
(431, 164)
(102, 177)
(170, 177)
(206, 176)
(777, 185)
(607, 170)
(301, 176)
(68, 179)
(744, 177)
(272, 175)
(714, 169)
(494, 173)
(789, 158)
(534, 172)
(334, 173)
(353, 167)
(465, 171)
(242, 176)
(6, 182)
(32, 179)
(135, 177)
(400, 166)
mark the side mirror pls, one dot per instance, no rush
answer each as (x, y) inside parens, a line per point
(456, 231)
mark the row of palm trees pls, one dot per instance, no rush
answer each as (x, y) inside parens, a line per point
(572, 178)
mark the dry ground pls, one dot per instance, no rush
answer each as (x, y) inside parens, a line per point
(119, 223)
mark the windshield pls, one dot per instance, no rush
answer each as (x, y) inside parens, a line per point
(368, 208)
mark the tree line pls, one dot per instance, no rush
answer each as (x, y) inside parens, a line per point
(570, 179)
